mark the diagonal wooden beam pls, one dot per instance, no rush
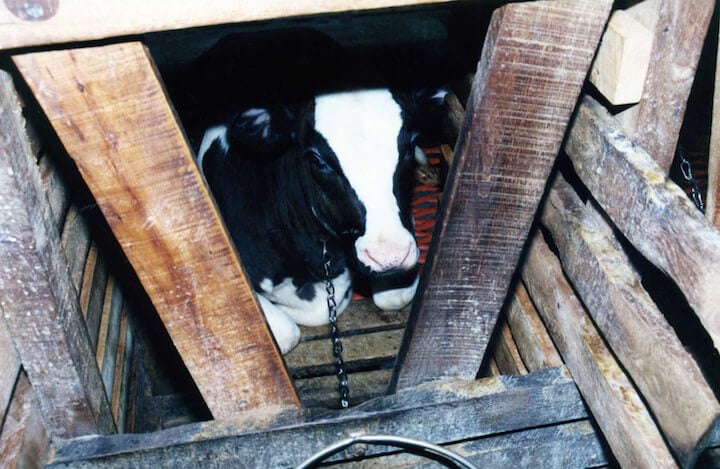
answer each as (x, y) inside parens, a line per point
(680, 27)
(109, 109)
(532, 67)
(38, 300)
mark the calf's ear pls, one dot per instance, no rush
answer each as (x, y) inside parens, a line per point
(423, 111)
(266, 129)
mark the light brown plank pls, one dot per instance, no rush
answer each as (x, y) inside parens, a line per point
(24, 443)
(506, 354)
(82, 20)
(713, 195)
(653, 213)
(618, 409)
(110, 111)
(533, 64)
(109, 350)
(36, 289)
(680, 27)
(533, 342)
(644, 342)
(92, 295)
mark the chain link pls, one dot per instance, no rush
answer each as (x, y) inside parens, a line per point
(337, 349)
(686, 169)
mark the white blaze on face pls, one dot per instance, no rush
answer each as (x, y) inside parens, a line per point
(362, 129)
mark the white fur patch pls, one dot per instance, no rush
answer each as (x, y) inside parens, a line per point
(393, 300)
(283, 328)
(219, 133)
(362, 128)
(314, 312)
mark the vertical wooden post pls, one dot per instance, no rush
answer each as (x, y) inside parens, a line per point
(532, 67)
(109, 109)
(37, 296)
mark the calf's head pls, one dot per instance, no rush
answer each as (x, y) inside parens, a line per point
(373, 133)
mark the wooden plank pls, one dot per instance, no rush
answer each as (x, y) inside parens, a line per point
(361, 316)
(107, 364)
(712, 211)
(653, 213)
(92, 295)
(36, 289)
(622, 60)
(680, 27)
(54, 187)
(533, 342)
(23, 24)
(23, 440)
(314, 358)
(668, 377)
(559, 446)
(109, 109)
(322, 391)
(532, 67)
(111, 302)
(616, 406)
(75, 242)
(9, 367)
(506, 354)
(451, 411)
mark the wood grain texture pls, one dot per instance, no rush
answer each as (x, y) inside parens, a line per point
(507, 356)
(24, 443)
(451, 411)
(680, 29)
(618, 409)
(653, 213)
(55, 189)
(712, 211)
(667, 376)
(9, 367)
(533, 64)
(533, 342)
(109, 109)
(92, 294)
(36, 289)
(83, 20)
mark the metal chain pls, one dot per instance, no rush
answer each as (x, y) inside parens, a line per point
(686, 169)
(337, 349)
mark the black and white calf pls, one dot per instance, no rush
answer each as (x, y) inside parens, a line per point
(287, 179)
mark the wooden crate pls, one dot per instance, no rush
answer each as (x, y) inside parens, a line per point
(543, 333)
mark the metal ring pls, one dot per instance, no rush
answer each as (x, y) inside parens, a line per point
(443, 455)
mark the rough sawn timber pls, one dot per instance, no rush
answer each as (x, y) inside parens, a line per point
(666, 375)
(37, 296)
(531, 70)
(445, 412)
(109, 109)
(653, 213)
(609, 393)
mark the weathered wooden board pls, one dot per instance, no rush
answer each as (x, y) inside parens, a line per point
(616, 406)
(361, 316)
(653, 213)
(506, 354)
(92, 293)
(52, 21)
(322, 391)
(75, 242)
(24, 443)
(713, 195)
(57, 192)
(533, 64)
(109, 338)
(9, 366)
(533, 342)
(36, 289)
(447, 412)
(680, 27)
(665, 373)
(108, 107)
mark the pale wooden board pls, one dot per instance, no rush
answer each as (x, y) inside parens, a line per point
(653, 213)
(680, 27)
(109, 109)
(668, 377)
(82, 20)
(533, 342)
(36, 288)
(361, 316)
(618, 409)
(24, 443)
(530, 73)
(507, 356)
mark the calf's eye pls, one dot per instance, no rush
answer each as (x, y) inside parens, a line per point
(319, 161)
